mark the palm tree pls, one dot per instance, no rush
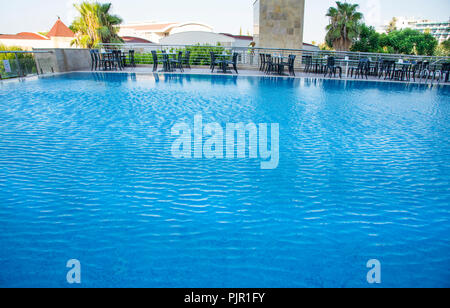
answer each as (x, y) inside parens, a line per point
(344, 25)
(95, 25)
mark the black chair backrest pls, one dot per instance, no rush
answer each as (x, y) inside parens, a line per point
(187, 56)
(292, 59)
(131, 56)
(213, 56)
(117, 54)
(235, 57)
(331, 61)
(180, 56)
(364, 63)
(308, 60)
(154, 56)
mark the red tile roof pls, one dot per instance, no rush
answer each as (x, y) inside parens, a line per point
(239, 37)
(23, 36)
(60, 30)
(135, 40)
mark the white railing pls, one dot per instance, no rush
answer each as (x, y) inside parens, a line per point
(250, 57)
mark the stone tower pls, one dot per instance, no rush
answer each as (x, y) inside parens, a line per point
(279, 23)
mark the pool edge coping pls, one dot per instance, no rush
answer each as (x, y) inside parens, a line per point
(35, 77)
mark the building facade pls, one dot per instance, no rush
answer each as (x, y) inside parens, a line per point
(439, 30)
(207, 38)
(60, 36)
(279, 23)
(154, 32)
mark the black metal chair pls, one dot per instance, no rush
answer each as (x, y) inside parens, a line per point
(187, 59)
(331, 68)
(289, 65)
(155, 60)
(232, 62)
(215, 62)
(94, 59)
(106, 60)
(271, 65)
(116, 60)
(131, 59)
(308, 64)
(361, 70)
(166, 62)
(262, 62)
(403, 73)
(387, 69)
(445, 71)
(177, 63)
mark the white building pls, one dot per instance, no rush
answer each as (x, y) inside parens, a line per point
(60, 36)
(213, 39)
(154, 32)
(440, 30)
(207, 38)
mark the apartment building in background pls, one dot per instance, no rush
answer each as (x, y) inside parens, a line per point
(440, 30)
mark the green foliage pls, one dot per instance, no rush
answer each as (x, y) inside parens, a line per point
(368, 40)
(95, 25)
(446, 44)
(200, 54)
(344, 25)
(443, 50)
(407, 41)
(25, 60)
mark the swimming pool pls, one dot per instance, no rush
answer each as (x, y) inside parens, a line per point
(86, 173)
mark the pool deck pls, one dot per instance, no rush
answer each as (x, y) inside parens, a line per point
(147, 70)
(257, 73)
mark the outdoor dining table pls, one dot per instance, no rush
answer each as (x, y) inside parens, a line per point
(166, 67)
(318, 63)
(347, 61)
(224, 57)
(278, 59)
(106, 55)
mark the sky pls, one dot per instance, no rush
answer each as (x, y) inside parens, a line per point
(223, 15)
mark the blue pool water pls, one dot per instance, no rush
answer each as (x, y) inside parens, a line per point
(86, 173)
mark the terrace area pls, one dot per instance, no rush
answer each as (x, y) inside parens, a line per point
(184, 59)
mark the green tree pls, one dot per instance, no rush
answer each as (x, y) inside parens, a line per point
(368, 40)
(409, 42)
(344, 25)
(95, 25)
(443, 50)
(25, 60)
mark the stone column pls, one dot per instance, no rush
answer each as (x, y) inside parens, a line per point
(279, 23)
